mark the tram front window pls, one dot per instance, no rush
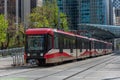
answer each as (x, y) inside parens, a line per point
(36, 43)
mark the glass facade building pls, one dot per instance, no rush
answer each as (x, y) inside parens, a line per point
(94, 11)
(77, 11)
(10, 8)
(116, 4)
(60, 4)
(87, 11)
(70, 8)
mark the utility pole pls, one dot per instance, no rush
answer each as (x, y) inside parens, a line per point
(26, 8)
(5, 9)
(17, 14)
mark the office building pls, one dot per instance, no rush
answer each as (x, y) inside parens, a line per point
(77, 11)
(87, 11)
(116, 5)
(24, 9)
(94, 11)
(70, 8)
(60, 4)
(10, 8)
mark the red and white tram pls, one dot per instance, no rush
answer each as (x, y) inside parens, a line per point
(46, 45)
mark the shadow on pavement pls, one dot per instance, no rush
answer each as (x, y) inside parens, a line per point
(116, 78)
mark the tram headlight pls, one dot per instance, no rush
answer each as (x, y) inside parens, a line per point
(28, 54)
(41, 54)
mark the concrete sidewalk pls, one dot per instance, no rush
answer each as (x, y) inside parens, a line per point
(6, 62)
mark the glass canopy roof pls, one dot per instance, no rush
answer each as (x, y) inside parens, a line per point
(101, 31)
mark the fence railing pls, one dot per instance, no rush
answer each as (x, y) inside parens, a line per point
(17, 55)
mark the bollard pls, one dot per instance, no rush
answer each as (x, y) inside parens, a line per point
(13, 56)
(22, 61)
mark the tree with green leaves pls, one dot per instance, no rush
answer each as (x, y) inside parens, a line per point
(3, 30)
(48, 15)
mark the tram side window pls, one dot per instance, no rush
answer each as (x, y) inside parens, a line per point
(77, 43)
(109, 46)
(64, 41)
(92, 44)
(95, 45)
(65, 44)
(100, 45)
(80, 44)
(83, 44)
(71, 46)
(49, 42)
(60, 41)
(103, 46)
(56, 41)
(87, 43)
(68, 43)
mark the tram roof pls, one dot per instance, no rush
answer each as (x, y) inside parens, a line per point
(101, 31)
(39, 31)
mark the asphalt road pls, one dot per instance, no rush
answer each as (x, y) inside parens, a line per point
(100, 68)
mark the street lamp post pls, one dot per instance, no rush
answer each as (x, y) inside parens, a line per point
(17, 14)
(5, 9)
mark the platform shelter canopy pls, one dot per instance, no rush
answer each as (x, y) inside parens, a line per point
(101, 31)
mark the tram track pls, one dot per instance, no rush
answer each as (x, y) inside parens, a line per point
(70, 68)
(104, 62)
(81, 71)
